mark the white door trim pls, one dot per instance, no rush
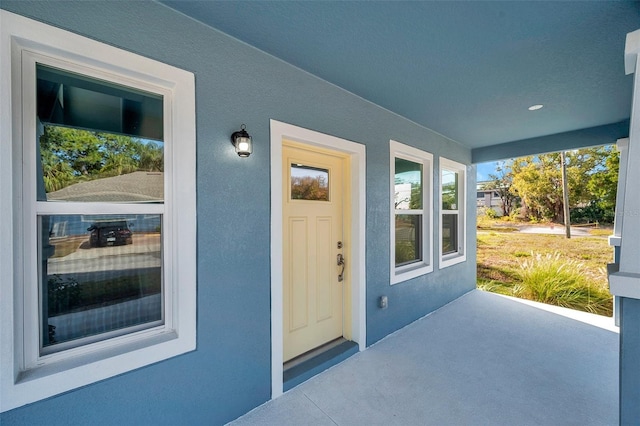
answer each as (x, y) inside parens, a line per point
(356, 156)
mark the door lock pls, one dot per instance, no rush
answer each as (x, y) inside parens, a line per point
(341, 262)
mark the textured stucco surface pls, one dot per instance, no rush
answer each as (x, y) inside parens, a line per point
(229, 373)
(483, 359)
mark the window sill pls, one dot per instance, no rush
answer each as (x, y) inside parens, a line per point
(93, 357)
(451, 260)
(407, 273)
(54, 378)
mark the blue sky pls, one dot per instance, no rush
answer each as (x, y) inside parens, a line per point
(484, 169)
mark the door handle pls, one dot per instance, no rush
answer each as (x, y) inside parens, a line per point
(341, 262)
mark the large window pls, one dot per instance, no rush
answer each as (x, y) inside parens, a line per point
(411, 207)
(452, 212)
(103, 281)
(101, 275)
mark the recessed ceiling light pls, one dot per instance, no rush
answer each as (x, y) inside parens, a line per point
(535, 107)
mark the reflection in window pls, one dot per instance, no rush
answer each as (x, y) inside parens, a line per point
(449, 233)
(408, 185)
(452, 215)
(309, 183)
(408, 198)
(411, 209)
(101, 275)
(449, 190)
(73, 100)
(450, 211)
(99, 141)
(408, 239)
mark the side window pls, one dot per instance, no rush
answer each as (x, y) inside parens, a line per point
(411, 212)
(105, 283)
(452, 212)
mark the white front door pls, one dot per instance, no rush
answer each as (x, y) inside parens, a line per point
(312, 226)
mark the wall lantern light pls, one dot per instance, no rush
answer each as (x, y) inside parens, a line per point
(242, 141)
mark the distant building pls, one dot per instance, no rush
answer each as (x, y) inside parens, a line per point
(489, 198)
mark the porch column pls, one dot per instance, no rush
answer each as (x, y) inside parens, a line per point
(626, 282)
(614, 240)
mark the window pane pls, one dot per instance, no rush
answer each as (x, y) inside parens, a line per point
(309, 183)
(449, 233)
(408, 239)
(98, 141)
(81, 165)
(449, 190)
(99, 274)
(408, 185)
(73, 100)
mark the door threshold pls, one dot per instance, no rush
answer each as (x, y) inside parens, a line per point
(315, 361)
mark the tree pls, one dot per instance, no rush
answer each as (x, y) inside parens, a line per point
(309, 188)
(502, 182)
(79, 149)
(120, 154)
(56, 173)
(603, 184)
(538, 180)
(151, 157)
(70, 155)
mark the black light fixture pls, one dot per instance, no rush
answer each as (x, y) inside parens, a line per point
(242, 141)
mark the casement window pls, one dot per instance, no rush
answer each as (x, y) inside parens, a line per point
(411, 212)
(452, 212)
(102, 260)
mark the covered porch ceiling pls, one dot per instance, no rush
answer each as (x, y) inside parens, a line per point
(468, 70)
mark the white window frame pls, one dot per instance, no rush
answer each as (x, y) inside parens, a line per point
(460, 255)
(27, 376)
(424, 266)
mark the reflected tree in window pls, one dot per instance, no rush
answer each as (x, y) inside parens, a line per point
(309, 183)
(70, 156)
(408, 200)
(449, 190)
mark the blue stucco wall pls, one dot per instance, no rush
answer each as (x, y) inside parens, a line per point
(629, 365)
(229, 373)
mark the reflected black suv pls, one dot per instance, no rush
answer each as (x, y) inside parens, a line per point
(110, 233)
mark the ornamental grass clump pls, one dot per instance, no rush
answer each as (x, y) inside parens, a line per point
(562, 282)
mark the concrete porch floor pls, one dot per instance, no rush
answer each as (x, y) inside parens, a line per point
(483, 359)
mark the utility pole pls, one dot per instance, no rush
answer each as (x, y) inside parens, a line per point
(565, 196)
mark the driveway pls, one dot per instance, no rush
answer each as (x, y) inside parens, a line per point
(555, 230)
(144, 252)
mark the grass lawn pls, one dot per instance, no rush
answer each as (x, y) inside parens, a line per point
(502, 251)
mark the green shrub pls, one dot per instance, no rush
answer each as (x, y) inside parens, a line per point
(591, 213)
(491, 213)
(63, 294)
(494, 287)
(514, 215)
(405, 252)
(562, 282)
(521, 254)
